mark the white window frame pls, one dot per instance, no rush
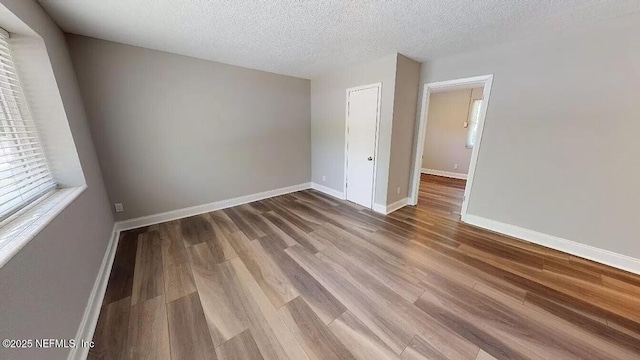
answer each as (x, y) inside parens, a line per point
(35, 72)
(25, 176)
(473, 122)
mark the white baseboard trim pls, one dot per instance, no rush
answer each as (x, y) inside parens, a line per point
(444, 173)
(571, 247)
(328, 191)
(382, 209)
(388, 209)
(205, 208)
(397, 205)
(94, 304)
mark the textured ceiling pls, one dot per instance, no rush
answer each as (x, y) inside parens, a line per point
(309, 38)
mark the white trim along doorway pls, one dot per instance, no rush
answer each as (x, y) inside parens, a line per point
(485, 81)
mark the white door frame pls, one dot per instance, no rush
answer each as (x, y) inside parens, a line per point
(346, 137)
(485, 80)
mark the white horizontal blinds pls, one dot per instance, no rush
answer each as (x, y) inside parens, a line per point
(24, 174)
(474, 120)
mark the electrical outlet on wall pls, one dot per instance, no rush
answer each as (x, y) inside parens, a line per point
(398, 190)
(324, 178)
(119, 207)
(455, 166)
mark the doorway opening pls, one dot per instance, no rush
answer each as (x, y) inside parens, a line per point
(361, 143)
(450, 132)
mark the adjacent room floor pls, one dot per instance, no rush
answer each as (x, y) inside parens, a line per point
(307, 276)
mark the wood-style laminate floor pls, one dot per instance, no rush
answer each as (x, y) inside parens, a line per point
(306, 276)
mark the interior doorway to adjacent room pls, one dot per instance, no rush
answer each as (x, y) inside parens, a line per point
(450, 131)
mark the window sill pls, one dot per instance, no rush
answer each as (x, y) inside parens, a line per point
(16, 234)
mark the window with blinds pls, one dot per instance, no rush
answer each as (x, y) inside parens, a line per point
(24, 173)
(474, 120)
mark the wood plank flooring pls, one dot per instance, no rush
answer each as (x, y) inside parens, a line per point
(307, 276)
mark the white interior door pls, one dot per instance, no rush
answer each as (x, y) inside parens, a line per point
(363, 108)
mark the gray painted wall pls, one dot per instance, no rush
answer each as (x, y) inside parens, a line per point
(328, 102)
(404, 116)
(173, 131)
(45, 287)
(559, 150)
(445, 136)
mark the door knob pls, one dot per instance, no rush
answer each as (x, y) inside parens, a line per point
(370, 158)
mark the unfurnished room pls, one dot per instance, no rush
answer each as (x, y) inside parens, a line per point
(281, 179)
